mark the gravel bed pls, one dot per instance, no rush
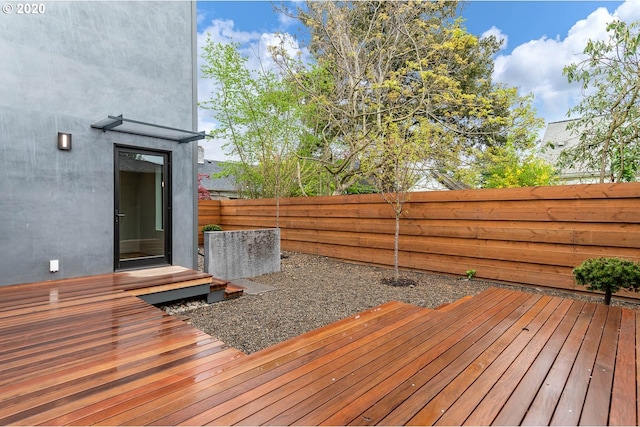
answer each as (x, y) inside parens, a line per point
(313, 291)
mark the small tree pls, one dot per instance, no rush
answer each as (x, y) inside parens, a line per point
(259, 117)
(203, 193)
(393, 166)
(608, 275)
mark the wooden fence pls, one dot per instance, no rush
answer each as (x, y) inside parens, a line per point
(208, 213)
(533, 236)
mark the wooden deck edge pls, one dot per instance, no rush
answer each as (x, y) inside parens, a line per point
(368, 317)
(168, 287)
(448, 306)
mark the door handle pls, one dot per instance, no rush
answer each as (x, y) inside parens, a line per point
(118, 216)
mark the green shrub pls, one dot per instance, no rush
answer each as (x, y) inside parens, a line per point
(608, 275)
(211, 227)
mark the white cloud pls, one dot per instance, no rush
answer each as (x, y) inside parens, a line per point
(253, 45)
(629, 11)
(536, 66)
(199, 18)
(286, 21)
(498, 34)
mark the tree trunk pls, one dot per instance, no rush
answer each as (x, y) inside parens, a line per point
(395, 247)
(607, 297)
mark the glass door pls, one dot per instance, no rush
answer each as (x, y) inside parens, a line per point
(142, 208)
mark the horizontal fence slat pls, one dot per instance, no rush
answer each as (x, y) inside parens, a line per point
(614, 235)
(603, 211)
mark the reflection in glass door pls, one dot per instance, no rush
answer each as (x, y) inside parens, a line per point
(142, 208)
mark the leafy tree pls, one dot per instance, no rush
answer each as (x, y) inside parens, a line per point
(259, 116)
(509, 168)
(398, 89)
(377, 63)
(625, 163)
(407, 63)
(395, 164)
(507, 158)
(609, 112)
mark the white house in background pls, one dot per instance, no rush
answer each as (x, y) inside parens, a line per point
(558, 138)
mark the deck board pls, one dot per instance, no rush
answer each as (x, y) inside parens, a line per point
(623, 396)
(601, 381)
(523, 371)
(87, 351)
(573, 395)
(469, 366)
(451, 359)
(543, 405)
(497, 360)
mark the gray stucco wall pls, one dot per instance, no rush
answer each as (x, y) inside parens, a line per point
(60, 72)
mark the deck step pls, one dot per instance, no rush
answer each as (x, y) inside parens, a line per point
(233, 291)
(218, 284)
(222, 290)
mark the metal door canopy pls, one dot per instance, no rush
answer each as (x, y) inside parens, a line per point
(135, 127)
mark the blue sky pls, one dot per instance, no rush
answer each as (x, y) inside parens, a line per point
(541, 37)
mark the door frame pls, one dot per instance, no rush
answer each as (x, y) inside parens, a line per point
(166, 259)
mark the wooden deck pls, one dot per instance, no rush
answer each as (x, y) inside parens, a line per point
(501, 357)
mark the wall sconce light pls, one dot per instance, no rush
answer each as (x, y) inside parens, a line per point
(64, 141)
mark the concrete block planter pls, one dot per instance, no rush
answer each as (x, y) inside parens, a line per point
(241, 253)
